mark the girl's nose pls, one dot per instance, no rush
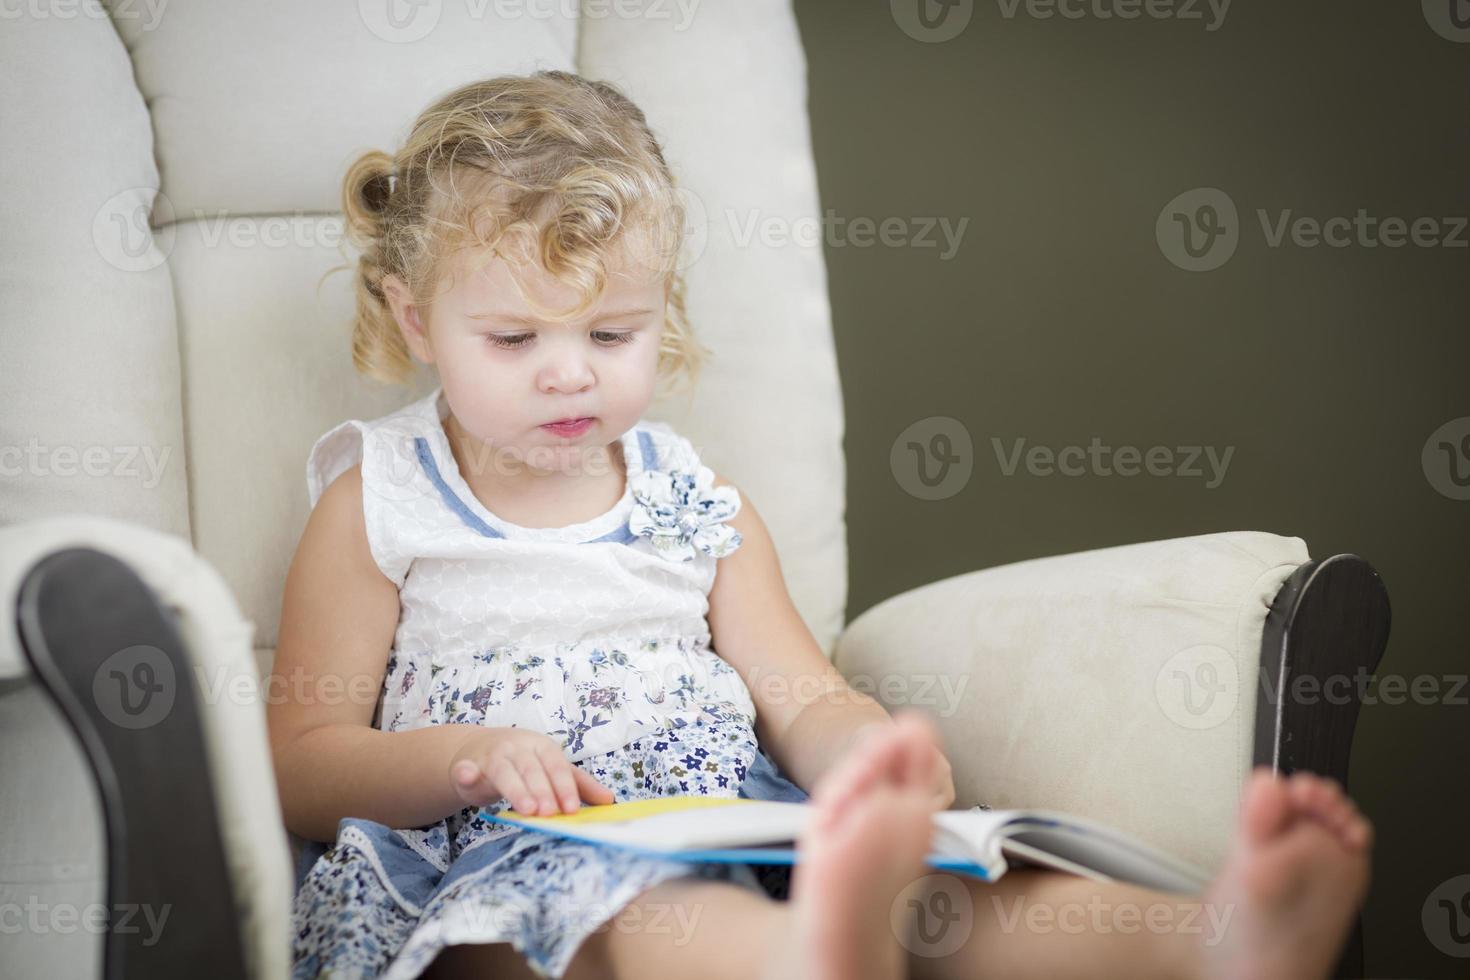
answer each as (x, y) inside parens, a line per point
(566, 370)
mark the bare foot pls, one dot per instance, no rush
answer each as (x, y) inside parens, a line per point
(871, 827)
(1297, 873)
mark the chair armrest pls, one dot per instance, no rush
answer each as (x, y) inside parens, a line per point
(1116, 683)
(80, 590)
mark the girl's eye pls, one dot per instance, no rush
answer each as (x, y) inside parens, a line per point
(608, 338)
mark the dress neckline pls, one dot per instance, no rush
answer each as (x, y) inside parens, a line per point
(452, 481)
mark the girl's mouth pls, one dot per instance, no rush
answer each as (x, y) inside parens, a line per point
(574, 428)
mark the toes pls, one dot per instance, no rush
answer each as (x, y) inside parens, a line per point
(1266, 805)
(856, 773)
(840, 784)
(1358, 832)
(853, 768)
(901, 755)
(1301, 787)
(1323, 798)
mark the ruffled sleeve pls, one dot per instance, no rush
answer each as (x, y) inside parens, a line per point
(338, 450)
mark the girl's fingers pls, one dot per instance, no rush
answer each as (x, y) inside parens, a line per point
(913, 753)
(562, 782)
(465, 773)
(592, 790)
(533, 769)
(468, 781)
(509, 784)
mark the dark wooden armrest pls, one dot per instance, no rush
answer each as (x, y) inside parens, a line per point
(1324, 636)
(108, 654)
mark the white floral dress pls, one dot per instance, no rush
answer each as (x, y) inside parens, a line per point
(595, 634)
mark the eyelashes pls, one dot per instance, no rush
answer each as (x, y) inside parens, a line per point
(515, 341)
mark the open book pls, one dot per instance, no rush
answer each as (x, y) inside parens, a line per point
(976, 842)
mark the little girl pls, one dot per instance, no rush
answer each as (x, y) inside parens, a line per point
(507, 596)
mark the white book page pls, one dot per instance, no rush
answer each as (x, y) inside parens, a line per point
(1075, 841)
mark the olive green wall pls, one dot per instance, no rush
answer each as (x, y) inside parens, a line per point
(1061, 316)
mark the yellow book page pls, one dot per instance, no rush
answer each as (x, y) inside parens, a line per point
(632, 810)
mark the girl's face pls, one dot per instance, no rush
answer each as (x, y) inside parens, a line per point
(506, 373)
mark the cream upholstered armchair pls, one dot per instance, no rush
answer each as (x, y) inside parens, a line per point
(170, 351)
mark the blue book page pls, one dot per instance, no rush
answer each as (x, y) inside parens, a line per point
(734, 855)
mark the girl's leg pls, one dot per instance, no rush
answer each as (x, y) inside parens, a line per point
(863, 845)
(687, 927)
(1280, 906)
(678, 928)
(1039, 923)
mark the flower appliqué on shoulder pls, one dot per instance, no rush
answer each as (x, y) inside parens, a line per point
(680, 510)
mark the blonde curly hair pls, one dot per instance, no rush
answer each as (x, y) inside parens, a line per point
(564, 166)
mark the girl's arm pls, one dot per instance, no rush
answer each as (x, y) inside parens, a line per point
(807, 716)
(338, 618)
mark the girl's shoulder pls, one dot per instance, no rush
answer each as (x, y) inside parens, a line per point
(384, 453)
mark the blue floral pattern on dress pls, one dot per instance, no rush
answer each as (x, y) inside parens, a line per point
(377, 904)
(612, 684)
(678, 511)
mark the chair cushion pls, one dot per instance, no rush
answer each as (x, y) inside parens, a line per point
(265, 342)
(90, 417)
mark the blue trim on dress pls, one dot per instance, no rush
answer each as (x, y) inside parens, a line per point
(426, 460)
(619, 535)
(650, 454)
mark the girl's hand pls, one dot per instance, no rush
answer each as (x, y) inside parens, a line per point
(943, 781)
(527, 768)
